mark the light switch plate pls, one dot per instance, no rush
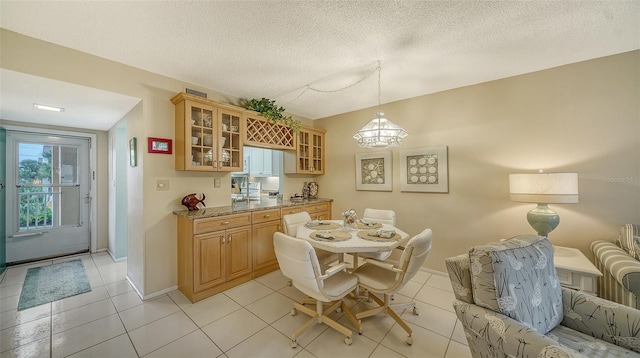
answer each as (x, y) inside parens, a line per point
(216, 182)
(162, 185)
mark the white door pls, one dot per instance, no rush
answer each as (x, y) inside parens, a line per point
(48, 196)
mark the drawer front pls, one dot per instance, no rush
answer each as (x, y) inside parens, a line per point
(290, 210)
(565, 277)
(313, 208)
(265, 215)
(220, 223)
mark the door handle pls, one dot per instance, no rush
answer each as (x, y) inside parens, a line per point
(26, 234)
(1, 185)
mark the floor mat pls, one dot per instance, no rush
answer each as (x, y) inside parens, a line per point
(45, 284)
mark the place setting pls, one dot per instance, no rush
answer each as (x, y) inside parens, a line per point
(330, 235)
(378, 235)
(366, 224)
(322, 225)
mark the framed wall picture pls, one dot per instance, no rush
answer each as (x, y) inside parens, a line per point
(373, 171)
(424, 170)
(133, 152)
(159, 145)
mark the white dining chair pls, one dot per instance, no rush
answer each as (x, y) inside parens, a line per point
(298, 261)
(381, 216)
(388, 277)
(291, 224)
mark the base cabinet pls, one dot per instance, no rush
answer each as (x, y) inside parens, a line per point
(218, 253)
(321, 211)
(238, 252)
(208, 262)
(214, 254)
(265, 224)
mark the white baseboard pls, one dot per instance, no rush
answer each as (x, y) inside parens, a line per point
(151, 295)
(113, 257)
(435, 272)
(159, 293)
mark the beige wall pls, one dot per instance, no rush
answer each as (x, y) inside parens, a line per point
(151, 263)
(583, 118)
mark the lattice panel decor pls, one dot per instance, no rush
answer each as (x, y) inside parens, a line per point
(261, 131)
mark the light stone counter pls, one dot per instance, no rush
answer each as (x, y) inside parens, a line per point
(243, 207)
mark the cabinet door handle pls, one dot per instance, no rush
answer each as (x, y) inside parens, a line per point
(267, 216)
(229, 238)
(225, 223)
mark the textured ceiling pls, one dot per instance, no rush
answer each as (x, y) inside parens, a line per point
(276, 49)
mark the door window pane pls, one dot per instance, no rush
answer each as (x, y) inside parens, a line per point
(48, 189)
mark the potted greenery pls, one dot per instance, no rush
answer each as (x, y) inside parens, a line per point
(269, 110)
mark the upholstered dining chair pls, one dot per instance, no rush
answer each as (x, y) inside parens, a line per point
(381, 216)
(388, 277)
(291, 224)
(298, 261)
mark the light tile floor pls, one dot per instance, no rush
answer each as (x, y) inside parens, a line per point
(251, 320)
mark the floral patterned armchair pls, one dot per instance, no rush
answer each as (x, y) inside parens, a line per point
(510, 305)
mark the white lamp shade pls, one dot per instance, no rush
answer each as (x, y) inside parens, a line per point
(380, 133)
(547, 188)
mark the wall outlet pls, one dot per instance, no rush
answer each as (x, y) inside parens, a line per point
(162, 185)
(216, 182)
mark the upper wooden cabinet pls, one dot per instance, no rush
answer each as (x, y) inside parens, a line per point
(263, 133)
(208, 138)
(309, 155)
(230, 147)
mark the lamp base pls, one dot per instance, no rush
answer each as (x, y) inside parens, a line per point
(542, 219)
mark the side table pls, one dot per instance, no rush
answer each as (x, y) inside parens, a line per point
(575, 270)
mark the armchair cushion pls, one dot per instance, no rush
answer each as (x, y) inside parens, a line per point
(517, 278)
(491, 334)
(602, 319)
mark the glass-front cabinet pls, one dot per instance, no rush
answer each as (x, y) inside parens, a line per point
(201, 121)
(207, 137)
(309, 155)
(230, 148)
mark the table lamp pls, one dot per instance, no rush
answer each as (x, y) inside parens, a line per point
(544, 189)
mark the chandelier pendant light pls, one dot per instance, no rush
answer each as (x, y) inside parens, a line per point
(380, 132)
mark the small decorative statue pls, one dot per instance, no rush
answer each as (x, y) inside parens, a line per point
(191, 201)
(305, 191)
(350, 219)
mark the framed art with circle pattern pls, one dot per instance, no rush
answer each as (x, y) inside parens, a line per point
(424, 170)
(373, 171)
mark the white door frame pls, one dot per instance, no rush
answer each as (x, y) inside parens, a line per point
(93, 172)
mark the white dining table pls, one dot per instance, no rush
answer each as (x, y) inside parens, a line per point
(355, 244)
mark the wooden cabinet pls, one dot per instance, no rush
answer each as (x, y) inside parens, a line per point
(208, 249)
(230, 146)
(265, 224)
(238, 252)
(214, 254)
(220, 252)
(289, 210)
(208, 138)
(261, 132)
(309, 155)
(320, 211)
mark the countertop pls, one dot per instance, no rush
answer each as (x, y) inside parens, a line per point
(244, 207)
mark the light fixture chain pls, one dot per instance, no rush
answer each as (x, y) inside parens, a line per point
(308, 87)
